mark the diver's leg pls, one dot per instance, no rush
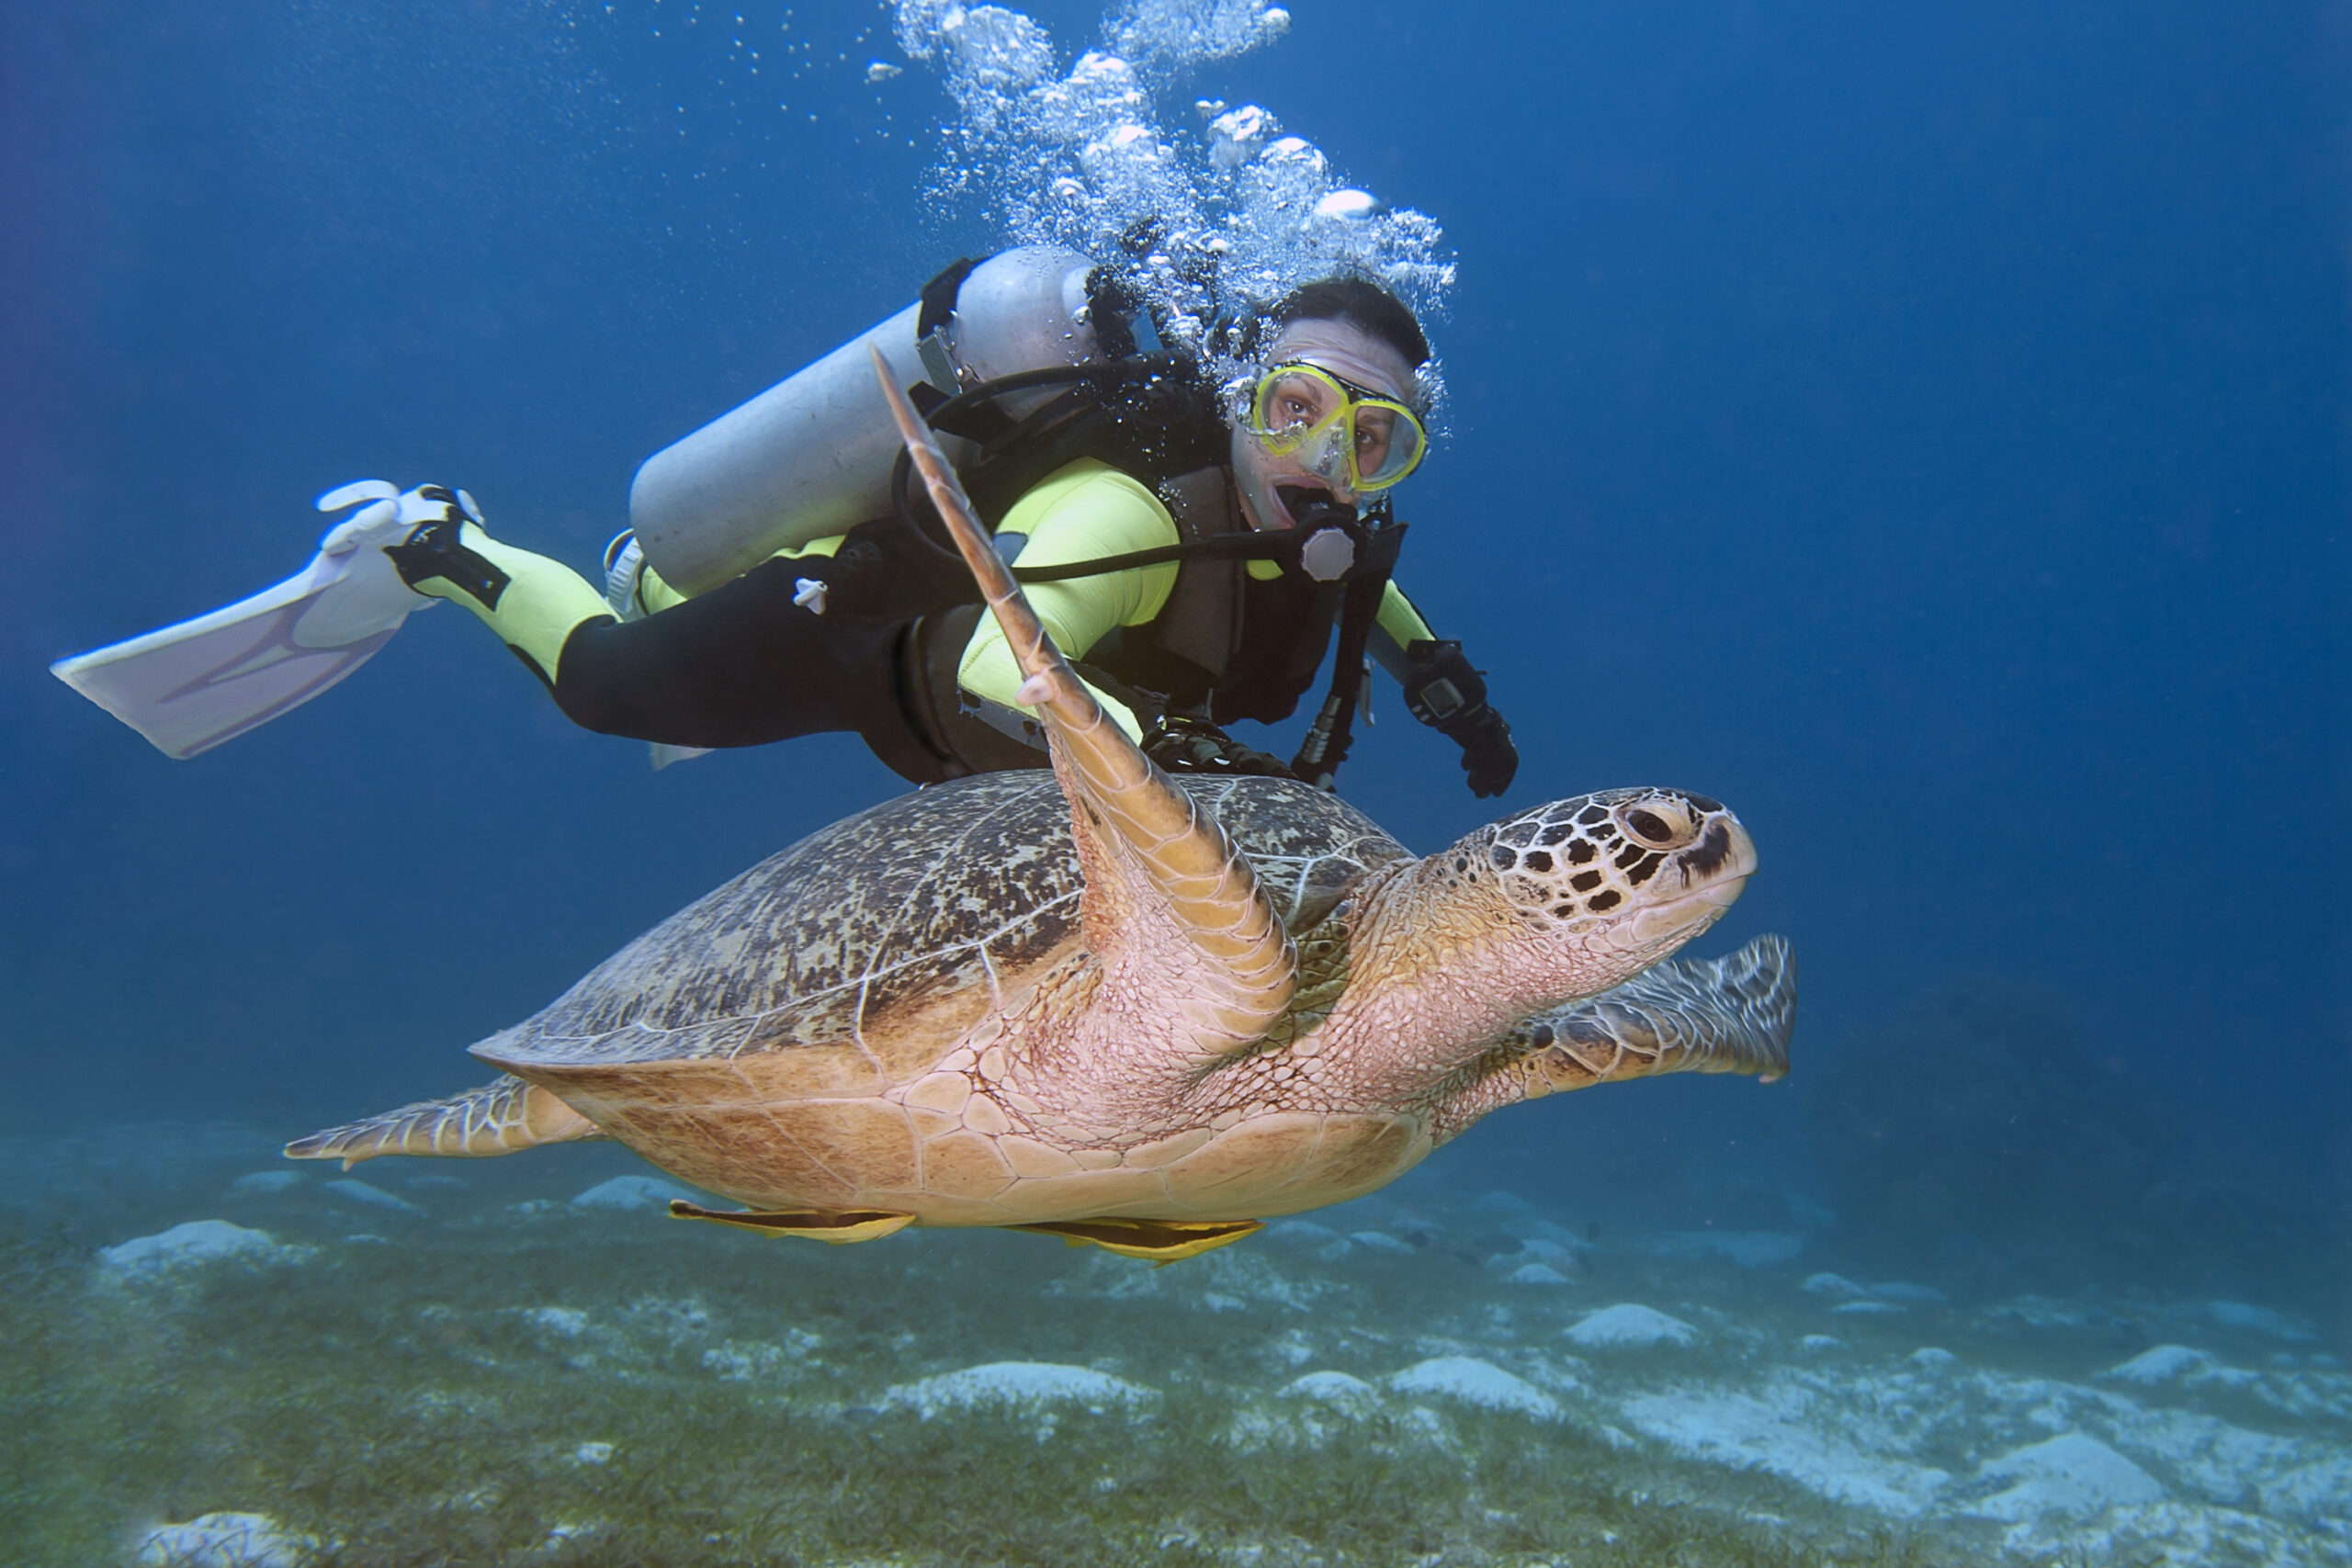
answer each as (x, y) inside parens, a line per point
(749, 662)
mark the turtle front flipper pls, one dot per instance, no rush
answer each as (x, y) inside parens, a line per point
(497, 1119)
(1166, 892)
(1721, 1015)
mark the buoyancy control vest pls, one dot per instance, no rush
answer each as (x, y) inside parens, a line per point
(1225, 645)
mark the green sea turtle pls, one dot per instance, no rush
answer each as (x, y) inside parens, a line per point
(1125, 1008)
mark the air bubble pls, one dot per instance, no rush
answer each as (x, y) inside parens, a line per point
(1349, 206)
(1237, 214)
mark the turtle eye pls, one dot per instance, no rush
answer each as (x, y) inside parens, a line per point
(1658, 823)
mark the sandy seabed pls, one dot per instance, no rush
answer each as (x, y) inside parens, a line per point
(207, 1357)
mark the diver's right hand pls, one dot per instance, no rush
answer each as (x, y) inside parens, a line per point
(1182, 743)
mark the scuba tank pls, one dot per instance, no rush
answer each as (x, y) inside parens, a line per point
(812, 456)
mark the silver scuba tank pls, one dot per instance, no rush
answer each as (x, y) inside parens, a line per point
(812, 454)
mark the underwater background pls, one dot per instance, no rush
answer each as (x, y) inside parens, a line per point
(1922, 429)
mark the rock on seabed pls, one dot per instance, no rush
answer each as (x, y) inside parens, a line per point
(1629, 1323)
(193, 1245)
(629, 1193)
(1475, 1381)
(224, 1540)
(1771, 1431)
(351, 1190)
(1025, 1383)
(2070, 1473)
(2166, 1363)
(1341, 1391)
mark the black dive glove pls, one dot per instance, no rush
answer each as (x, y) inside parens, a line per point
(1181, 743)
(1444, 692)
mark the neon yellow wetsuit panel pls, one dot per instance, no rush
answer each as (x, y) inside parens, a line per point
(1083, 513)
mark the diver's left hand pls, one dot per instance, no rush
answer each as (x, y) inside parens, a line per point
(1487, 754)
(1446, 693)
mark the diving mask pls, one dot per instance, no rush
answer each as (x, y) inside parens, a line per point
(1342, 431)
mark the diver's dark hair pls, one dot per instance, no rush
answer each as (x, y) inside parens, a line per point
(1361, 303)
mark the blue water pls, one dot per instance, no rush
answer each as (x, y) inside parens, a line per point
(1924, 431)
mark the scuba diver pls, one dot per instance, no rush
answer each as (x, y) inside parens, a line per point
(1195, 548)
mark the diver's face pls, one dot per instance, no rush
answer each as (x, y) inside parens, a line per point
(1353, 355)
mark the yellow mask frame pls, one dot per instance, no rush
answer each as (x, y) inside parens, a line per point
(1297, 407)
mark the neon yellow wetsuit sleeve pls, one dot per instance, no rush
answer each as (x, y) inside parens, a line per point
(1398, 627)
(1083, 512)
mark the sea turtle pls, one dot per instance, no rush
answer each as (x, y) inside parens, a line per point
(1130, 1010)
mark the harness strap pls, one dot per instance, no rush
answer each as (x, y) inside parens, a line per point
(1327, 742)
(1283, 546)
(939, 299)
(974, 414)
(931, 326)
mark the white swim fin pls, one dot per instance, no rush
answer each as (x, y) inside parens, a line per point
(191, 686)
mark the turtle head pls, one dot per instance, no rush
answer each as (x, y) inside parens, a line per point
(1607, 883)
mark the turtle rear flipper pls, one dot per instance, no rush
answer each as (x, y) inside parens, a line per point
(497, 1119)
